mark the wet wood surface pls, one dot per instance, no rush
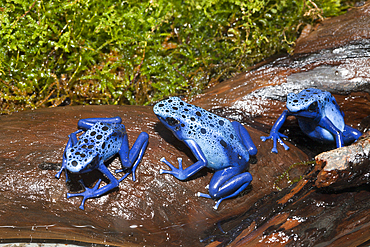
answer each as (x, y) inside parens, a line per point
(154, 209)
(310, 213)
(328, 207)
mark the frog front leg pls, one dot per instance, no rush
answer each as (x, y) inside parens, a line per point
(181, 173)
(71, 142)
(96, 191)
(227, 183)
(274, 133)
(131, 158)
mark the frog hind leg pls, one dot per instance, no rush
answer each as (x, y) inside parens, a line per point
(131, 159)
(326, 124)
(96, 191)
(245, 138)
(350, 134)
(227, 183)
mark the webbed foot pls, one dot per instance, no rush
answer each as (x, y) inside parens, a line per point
(88, 193)
(276, 136)
(176, 172)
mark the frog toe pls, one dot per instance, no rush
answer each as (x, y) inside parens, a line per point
(215, 207)
(199, 194)
(124, 176)
(282, 144)
(264, 138)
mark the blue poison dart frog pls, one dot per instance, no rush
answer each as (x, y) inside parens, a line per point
(217, 143)
(318, 116)
(102, 139)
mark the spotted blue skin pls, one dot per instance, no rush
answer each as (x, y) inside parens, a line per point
(102, 139)
(216, 142)
(319, 117)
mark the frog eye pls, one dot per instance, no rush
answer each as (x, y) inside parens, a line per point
(312, 107)
(171, 121)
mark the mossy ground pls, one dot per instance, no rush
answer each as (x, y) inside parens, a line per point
(137, 52)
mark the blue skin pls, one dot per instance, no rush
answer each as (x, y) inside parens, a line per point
(103, 138)
(216, 143)
(318, 116)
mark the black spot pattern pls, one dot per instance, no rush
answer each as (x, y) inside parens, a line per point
(101, 140)
(308, 99)
(320, 102)
(215, 135)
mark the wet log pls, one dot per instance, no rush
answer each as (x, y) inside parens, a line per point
(155, 209)
(328, 207)
(309, 213)
(352, 26)
(335, 57)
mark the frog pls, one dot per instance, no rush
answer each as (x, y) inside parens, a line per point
(319, 117)
(100, 139)
(217, 143)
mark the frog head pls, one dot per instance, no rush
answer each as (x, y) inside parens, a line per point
(81, 159)
(308, 103)
(174, 114)
(188, 121)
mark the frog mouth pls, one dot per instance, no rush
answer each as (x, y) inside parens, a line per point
(94, 163)
(83, 166)
(168, 121)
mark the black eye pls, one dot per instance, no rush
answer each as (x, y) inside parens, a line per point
(171, 121)
(312, 107)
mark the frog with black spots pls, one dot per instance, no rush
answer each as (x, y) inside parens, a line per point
(319, 117)
(217, 143)
(102, 139)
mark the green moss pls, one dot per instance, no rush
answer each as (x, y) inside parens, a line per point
(286, 175)
(137, 52)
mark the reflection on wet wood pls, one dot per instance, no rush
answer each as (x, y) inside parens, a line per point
(155, 209)
(306, 214)
(329, 206)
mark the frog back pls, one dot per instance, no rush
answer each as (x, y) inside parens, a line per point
(219, 143)
(101, 141)
(214, 135)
